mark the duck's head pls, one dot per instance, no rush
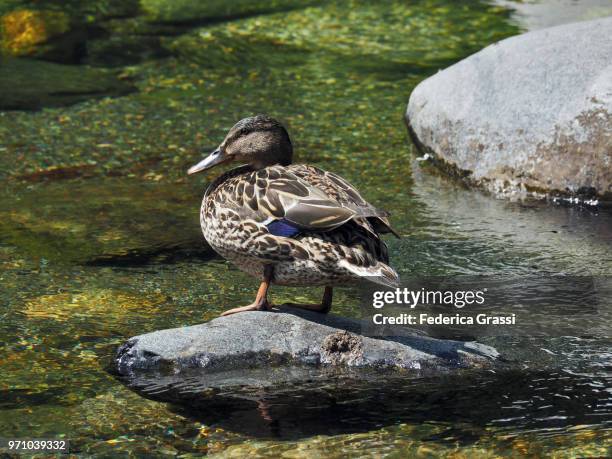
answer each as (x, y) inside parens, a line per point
(258, 141)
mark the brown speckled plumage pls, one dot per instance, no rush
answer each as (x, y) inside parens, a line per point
(238, 204)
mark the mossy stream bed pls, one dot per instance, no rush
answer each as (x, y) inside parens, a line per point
(100, 240)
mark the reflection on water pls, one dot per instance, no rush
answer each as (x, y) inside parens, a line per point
(510, 401)
(99, 241)
(472, 234)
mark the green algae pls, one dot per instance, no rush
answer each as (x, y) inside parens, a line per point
(409, 440)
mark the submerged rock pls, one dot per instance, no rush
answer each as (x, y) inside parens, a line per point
(107, 305)
(243, 349)
(127, 41)
(27, 84)
(186, 11)
(113, 221)
(531, 115)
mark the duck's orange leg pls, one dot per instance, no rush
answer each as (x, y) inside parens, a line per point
(261, 300)
(324, 307)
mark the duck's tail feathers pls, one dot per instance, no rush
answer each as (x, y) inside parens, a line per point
(380, 273)
(381, 225)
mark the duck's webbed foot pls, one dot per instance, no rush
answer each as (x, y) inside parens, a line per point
(324, 307)
(261, 301)
(254, 306)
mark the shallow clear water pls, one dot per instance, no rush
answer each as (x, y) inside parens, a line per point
(116, 251)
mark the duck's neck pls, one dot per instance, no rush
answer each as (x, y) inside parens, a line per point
(277, 154)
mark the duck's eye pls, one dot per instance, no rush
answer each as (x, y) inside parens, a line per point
(244, 131)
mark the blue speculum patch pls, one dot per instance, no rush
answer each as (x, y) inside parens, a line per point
(282, 228)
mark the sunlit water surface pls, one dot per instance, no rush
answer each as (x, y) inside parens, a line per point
(91, 261)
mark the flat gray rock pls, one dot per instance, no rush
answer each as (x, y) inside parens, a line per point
(288, 339)
(530, 115)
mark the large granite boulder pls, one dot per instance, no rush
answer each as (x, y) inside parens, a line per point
(289, 339)
(530, 115)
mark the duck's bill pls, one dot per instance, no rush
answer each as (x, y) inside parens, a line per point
(216, 157)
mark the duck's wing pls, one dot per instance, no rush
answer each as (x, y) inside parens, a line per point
(345, 194)
(276, 193)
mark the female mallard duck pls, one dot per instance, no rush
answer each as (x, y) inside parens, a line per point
(289, 224)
